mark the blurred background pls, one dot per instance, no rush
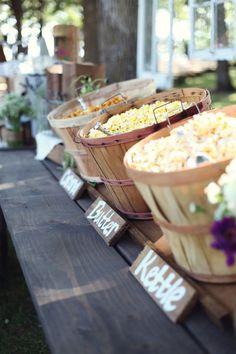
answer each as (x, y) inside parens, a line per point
(46, 47)
(174, 42)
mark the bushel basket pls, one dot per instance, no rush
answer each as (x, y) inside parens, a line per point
(169, 196)
(68, 128)
(107, 153)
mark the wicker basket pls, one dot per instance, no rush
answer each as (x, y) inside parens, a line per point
(107, 153)
(68, 128)
(169, 196)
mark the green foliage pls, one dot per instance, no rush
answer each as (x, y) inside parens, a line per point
(38, 12)
(70, 15)
(68, 161)
(20, 331)
(208, 80)
(43, 10)
(181, 9)
(196, 209)
(89, 85)
(11, 109)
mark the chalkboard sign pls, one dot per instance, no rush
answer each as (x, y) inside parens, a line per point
(72, 184)
(106, 221)
(165, 286)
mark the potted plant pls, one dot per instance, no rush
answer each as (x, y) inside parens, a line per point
(12, 108)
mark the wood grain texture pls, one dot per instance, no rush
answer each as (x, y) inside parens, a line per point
(84, 295)
(218, 302)
(57, 154)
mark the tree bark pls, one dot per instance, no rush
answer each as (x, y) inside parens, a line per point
(91, 31)
(117, 29)
(110, 35)
(224, 83)
(17, 10)
(113, 35)
(41, 8)
(2, 55)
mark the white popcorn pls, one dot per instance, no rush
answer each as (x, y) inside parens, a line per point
(212, 136)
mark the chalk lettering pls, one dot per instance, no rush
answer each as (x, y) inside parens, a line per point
(113, 228)
(166, 288)
(96, 210)
(145, 264)
(72, 183)
(106, 221)
(103, 219)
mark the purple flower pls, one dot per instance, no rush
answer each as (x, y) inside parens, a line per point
(224, 233)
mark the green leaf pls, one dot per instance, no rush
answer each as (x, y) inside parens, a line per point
(221, 211)
(196, 209)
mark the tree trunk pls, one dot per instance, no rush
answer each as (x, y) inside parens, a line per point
(41, 8)
(17, 10)
(117, 29)
(91, 31)
(223, 79)
(2, 55)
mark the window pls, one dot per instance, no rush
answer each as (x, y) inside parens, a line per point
(213, 29)
(155, 41)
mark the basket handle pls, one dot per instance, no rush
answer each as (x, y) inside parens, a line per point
(98, 126)
(196, 105)
(82, 103)
(167, 113)
(104, 110)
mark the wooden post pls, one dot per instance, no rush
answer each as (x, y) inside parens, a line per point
(66, 39)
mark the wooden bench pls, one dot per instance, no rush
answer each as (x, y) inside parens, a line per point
(85, 297)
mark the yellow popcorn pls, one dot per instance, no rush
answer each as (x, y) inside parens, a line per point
(206, 138)
(137, 118)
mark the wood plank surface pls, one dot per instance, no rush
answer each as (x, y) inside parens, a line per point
(172, 293)
(84, 295)
(212, 338)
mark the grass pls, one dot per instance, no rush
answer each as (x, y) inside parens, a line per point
(208, 80)
(20, 331)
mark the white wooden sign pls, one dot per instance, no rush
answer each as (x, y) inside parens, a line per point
(106, 221)
(165, 286)
(72, 184)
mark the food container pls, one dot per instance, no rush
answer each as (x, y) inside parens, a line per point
(107, 152)
(169, 196)
(68, 128)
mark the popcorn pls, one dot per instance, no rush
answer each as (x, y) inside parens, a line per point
(208, 135)
(137, 118)
(95, 108)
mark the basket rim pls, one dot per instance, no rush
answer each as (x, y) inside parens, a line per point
(61, 122)
(142, 132)
(204, 172)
